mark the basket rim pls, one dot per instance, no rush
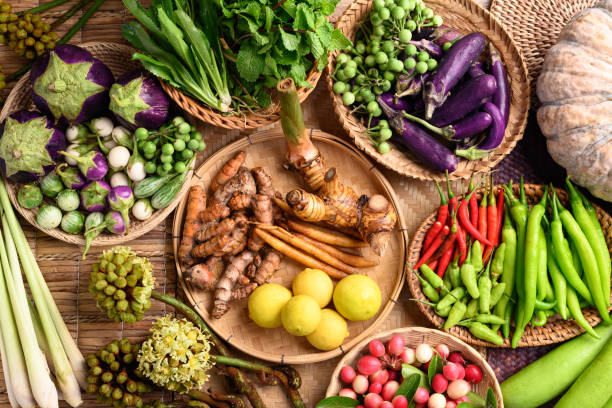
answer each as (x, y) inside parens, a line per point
(424, 173)
(315, 356)
(137, 228)
(550, 333)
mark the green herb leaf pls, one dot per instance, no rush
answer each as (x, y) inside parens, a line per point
(465, 405)
(338, 41)
(298, 73)
(315, 45)
(328, 6)
(409, 387)
(435, 367)
(322, 62)
(249, 63)
(304, 18)
(253, 9)
(269, 18)
(304, 45)
(337, 402)
(325, 33)
(271, 67)
(290, 41)
(263, 99)
(491, 401)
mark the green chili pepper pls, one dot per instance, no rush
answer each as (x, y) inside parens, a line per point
(484, 332)
(453, 296)
(484, 289)
(575, 257)
(428, 290)
(497, 266)
(574, 308)
(587, 259)
(541, 305)
(447, 285)
(472, 308)
(506, 326)
(444, 312)
(519, 329)
(539, 319)
(490, 319)
(454, 273)
(456, 314)
(558, 280)
(476, 256)
(497, 292)
(431, 276)
(507, 277)
(563, 255)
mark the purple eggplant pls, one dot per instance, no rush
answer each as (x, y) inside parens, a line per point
(467, 98)
(451, 69)
(93, 164)
(440, 35)
(121, 198)
(410, 85)
(113, 221)
(71, 176)
(434, 50)
(501, 97)
(494, 136)
(460, 130)
(476, 69)
(29, 146)
(71, 85)
(93, 196)
(424, 146)
(394, 102)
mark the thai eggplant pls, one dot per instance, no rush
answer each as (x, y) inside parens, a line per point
(460, 130)
(121, 198)
(501, 97)
(421, 143)
(451, 69)
(93, 196)
(92, 221)
(93, 164)
(494, 137)
(71, 176)
(434, 50)
(440, 35)
(410, 85)
(466, 99)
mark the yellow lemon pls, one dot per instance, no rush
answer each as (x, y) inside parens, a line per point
(357, 297)
(330, 333)
(266, 303)
(314, 283)
(301, 315)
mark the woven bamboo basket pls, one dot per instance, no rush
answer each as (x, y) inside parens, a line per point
(465, 16)
(267, 149)
(118, 58)
(413, 336)
(249, 120)
(555, 330)
(534, 25)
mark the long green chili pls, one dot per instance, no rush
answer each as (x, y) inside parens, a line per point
(558, 280)
(507, 277)
(574, 307)
(543, 284)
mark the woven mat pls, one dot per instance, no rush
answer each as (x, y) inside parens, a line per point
(67, 275)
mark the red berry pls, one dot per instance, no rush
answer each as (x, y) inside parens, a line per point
(450, 404)
(400, 402)
(347, 392)
(456, 357)
(473, 375)
(443, 350)
(462, 399)
(451, 371)
(381, 376)
(421, 405)
(372, 401)
(368, 365)
(393, 375)
(375, 387)
(461, 372)
(421, 395)
(439, 383)
(386, 404)
(377, 349)
(360, 384)
(408, 356)
(395, 345)
(347, 374)
(426, 366)
(389, 390)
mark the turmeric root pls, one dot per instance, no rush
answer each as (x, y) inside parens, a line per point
(225, 285)
(268, 266)
(214, 212)
(378, 219)
(243, 291)
(203, 276)
(228, 171)
(262, 209)
(324, 235)
(349, 259)
(239, 235)
(213, 229)
(239, 202)
(242, 182)
(263, 182)
(299, 256)
(195, 204)
(218, 245)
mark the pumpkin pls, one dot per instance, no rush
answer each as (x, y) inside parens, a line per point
(575, 88)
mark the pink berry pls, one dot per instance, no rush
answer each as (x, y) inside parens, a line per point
(393, 375)
(439, 383)
(372, 401)
(436, 401)
(347, 374)
(375, 387)
(389, 390)
(386, 404)
(360, 384)
(408, 356)
(426, 366)
(421, 395)
(368, 365)
(381, 376)
(450, 371)
(377, 349)
(443, 350)
(395, 346)
(461, 374)
(456, 357)
(473, 375)
(347, 392)
(462, 399)
(457, 389)
(400, 401)
(450, 404)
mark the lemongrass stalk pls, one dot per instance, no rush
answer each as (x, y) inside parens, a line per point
(63, 371)
(7, 377)
(40, 336)
(43, 389)
(77, 361)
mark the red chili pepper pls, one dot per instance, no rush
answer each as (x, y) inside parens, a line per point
(450, 241)
(500, 215)
(453, 201)
(482, 215)
(464, 221)
(433, 232)
(491, 221)
(473, 204)
(433, 264)
(434, 246)
(461, 243)
(442, 216)
(445, 260)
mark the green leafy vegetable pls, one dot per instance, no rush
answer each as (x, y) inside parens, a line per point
(491, 401)
(409, 387)
(337, 402)
(464, 405)
(435, 367)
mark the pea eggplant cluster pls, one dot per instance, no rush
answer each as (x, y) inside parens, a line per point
(523, 265)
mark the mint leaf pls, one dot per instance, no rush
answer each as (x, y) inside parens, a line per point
(316, 47)
(263, 98)
(304, 18)
(304, 45)
(338, 41)
(290, 41)
(298, 73)
(271, 67)
(249, 63)
(328, 6)
(325, 33)
(337, 402)
(289, 7)
(285, 57)
(252, 9)
(322, 62)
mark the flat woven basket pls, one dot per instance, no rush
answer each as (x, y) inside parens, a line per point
(534, 25)
(118, 58)
(249, 120)
(555, 331)
(413, 336)
(465, 16)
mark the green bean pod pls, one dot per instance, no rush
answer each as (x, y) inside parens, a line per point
(558, 280)
(468, 277)
(453, 296)
(507, 277)
(456, 314)
(472, 309)
(431, 276)
(476, 257)
(454, 273)
(497, 292)
(574, 308)
(485, 333)
(490, 319)
(497, 264)
(543, 284)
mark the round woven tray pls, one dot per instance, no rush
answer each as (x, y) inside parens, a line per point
(267, 149)
(118, 58)
(249, 120)
(534, 25)
(414, 336)
(465, 16)
(555, 331)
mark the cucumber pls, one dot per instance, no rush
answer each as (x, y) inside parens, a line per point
(164, 196)
(150, 185)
